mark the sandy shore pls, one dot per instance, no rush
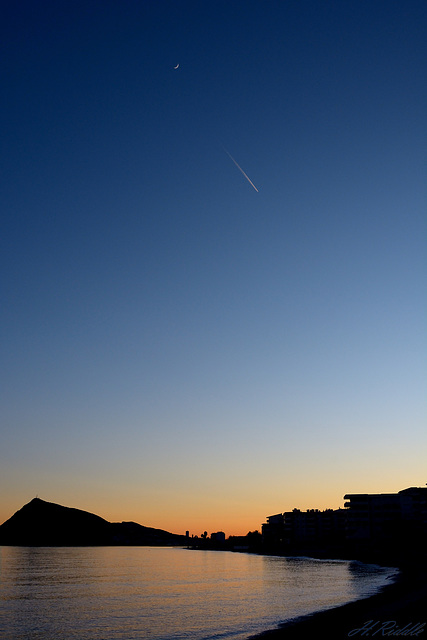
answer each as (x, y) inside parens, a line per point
(401, 605)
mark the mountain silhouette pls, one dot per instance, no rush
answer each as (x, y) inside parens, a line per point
(44, 524)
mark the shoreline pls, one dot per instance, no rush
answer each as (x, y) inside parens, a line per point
(400, 605)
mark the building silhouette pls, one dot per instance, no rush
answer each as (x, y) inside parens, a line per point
(391, 522)
(305, 531)
(381, 525)
(219, 536)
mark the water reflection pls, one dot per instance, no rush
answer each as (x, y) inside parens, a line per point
(164, 594)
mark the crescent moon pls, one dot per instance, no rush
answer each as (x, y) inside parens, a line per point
(176, 66)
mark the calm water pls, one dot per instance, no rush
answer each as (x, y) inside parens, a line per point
(148, 593)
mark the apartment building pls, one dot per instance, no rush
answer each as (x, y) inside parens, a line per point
(369, 522)
(308, 529)
(386, 516)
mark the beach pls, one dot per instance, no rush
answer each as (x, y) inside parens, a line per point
(398, 610)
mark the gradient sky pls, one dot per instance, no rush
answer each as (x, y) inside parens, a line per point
(178, 349)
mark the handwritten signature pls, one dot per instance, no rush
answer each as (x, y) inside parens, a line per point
(390, 628)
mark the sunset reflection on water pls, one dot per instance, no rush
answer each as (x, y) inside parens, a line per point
(147, 593)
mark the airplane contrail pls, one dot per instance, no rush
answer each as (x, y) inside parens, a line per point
(240, 169)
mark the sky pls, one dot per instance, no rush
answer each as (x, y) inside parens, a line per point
(182, 345)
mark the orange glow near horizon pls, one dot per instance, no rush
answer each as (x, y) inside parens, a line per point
(200, 512)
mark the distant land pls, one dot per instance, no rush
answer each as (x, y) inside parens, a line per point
(45, 524)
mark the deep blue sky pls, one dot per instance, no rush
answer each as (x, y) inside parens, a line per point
(178, 349)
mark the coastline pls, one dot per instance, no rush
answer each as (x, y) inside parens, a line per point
(398, 606)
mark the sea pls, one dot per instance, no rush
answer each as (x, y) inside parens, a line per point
(163, 593)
